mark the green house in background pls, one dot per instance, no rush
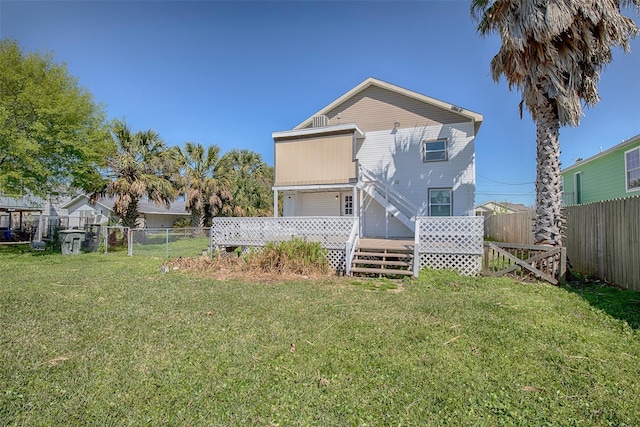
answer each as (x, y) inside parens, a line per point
(611, 174)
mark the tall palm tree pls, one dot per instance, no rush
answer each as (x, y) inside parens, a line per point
(205, 187)
(553, 52)
(142, 166)
(250, 183)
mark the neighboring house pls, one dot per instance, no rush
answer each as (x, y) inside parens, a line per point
(382, 153)
(495, 208)
(611, 174)
(20, 217)
(81, 212)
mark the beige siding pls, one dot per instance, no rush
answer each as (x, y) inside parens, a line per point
(319, 160)
(376, 109)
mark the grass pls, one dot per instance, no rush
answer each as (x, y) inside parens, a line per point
(111, 340)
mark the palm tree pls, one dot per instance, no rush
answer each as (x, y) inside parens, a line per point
(553, 52)
(142, 166)
(250, 183)
(205, 188)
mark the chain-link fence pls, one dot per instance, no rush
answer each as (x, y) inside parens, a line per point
(158, 242)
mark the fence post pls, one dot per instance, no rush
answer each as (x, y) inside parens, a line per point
(167, 243)
(106, 239)
(130, 242)
(562, 276)
(211, 240)
(416, 248)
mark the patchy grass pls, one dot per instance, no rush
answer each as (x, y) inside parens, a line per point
(106, 339)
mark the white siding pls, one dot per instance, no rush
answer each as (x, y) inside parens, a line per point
(81, 210)
(318, 204)
(374, 224)
(397, 159)
(159, 221)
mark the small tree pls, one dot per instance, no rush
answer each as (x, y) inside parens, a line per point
(142, 166)
(205, 187)
(250, 181)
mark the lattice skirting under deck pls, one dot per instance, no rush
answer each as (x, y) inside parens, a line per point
(468, 265)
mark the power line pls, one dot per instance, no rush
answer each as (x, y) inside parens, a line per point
(505, 183)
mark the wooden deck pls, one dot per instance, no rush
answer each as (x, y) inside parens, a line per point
(392, 244)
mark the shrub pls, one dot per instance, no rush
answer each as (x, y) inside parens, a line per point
(294, 256)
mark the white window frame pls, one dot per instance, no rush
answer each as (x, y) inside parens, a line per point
(445, 150)
(348, 204)
(450, 204)
(627, 170)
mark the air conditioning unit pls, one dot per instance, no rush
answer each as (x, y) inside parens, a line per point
(320, 121)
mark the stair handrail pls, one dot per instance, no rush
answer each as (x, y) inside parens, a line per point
(402, 200)
(351, 245)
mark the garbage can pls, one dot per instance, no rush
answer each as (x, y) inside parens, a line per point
(71, 241)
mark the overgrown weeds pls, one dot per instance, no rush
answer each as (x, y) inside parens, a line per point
(296, 256)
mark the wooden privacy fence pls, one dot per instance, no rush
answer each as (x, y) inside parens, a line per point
(545, 262)
(513, 228)
(603, 239)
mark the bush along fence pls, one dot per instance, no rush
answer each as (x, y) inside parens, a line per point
(158, 242)
(440, 242)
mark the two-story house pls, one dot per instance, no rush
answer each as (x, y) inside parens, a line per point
(610, 174)
(383, 154)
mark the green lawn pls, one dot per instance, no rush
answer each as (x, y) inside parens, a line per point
(100, 339)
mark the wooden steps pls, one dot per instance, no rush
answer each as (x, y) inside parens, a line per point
(382, 258)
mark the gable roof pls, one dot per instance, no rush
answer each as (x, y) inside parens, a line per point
(466, 114)
(622, 145)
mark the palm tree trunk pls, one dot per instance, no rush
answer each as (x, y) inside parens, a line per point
(549, 222)
(131, 215)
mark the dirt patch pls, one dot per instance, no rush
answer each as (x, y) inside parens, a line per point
(230, 268)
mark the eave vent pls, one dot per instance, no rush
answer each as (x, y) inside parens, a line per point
(320, 121)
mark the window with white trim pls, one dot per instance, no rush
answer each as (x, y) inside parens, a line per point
(632, 166)
(348, 204)
(440, 202)
(434, 151)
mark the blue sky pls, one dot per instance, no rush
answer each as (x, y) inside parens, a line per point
(231, 73)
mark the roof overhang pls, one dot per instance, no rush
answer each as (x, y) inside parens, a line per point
(622, 145)
(466, 114)
(319, 131)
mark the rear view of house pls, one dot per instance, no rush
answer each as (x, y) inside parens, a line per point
(383, 154)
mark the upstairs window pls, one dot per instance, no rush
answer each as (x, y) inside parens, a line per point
(435, 151)
(632, 165)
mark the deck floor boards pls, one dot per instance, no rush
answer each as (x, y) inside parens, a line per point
(397, 244)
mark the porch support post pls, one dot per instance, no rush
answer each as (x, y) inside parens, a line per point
(275, 203)
(354, 197)
(40, 223)
(361, 219)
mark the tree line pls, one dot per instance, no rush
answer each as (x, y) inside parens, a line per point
(54, 136)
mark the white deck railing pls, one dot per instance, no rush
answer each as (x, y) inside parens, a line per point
(333, 233)
(440, 242)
